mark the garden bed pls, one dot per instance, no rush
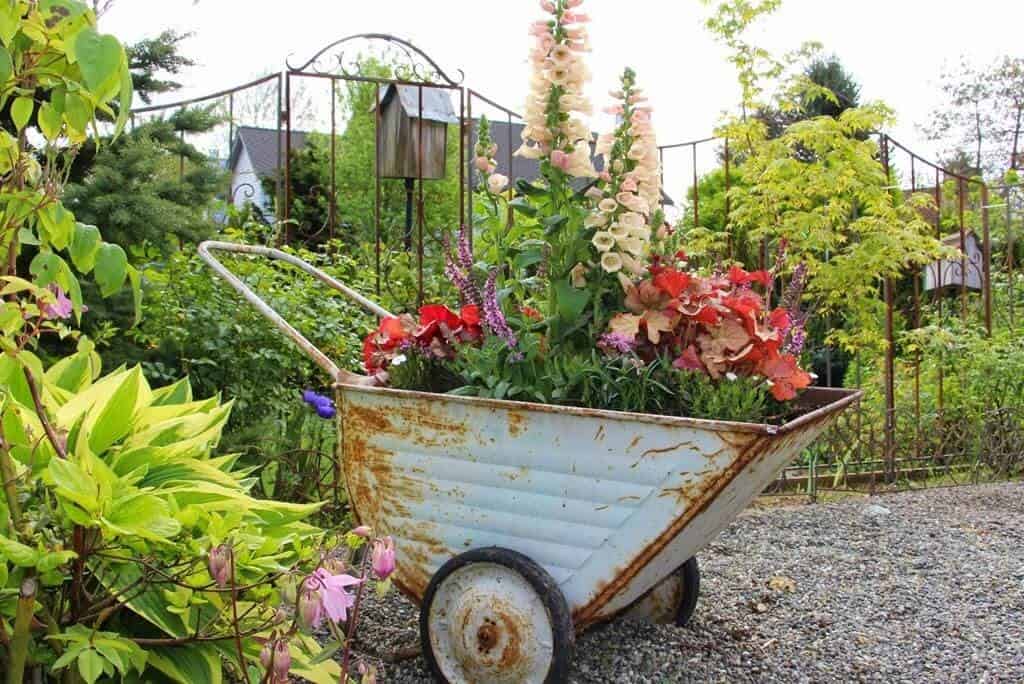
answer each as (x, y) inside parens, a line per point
(918, 586)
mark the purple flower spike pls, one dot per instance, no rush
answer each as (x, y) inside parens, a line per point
(309, 396)
(494, 318)
(325, 411)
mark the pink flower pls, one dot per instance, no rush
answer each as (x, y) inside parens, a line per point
(628, 185)
(605, 176)
(540, 29)
(383, 557)
(325, 595)
(560, 160)
(616, 109)
(220, 565)
(362, 531)
(482, 164)
(62, 308)
(547, 6)
(569, 4)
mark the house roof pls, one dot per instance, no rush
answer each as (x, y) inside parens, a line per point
(262, 146)
(437, 102)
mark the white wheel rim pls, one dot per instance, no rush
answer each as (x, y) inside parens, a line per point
(488, 624)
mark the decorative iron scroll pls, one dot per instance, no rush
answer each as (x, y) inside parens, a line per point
(337, 59)
(247, 190)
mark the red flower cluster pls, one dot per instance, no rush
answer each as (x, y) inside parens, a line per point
(717, 325)
(439, 331)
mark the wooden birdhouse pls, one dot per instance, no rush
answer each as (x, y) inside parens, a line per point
(950, 273)
(401, 111)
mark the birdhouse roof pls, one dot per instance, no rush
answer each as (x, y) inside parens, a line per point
(437, 102)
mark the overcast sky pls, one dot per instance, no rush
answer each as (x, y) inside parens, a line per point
(895, 48)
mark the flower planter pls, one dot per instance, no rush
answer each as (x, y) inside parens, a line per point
(517, 524)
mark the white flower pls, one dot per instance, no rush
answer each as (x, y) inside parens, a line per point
(731, 377)
(643, 233)
(608, 205)
(631, 219)
(528, 151)
(603, 241)
(399, 360)
(632, 245)
(611, 262)
(496, 183)
(618, 231)
(596, 221)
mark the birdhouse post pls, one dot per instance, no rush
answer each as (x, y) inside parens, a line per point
(413, 137)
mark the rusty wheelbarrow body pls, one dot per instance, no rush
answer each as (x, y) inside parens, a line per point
(517, 525)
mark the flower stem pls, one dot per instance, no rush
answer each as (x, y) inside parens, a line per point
(22, 627)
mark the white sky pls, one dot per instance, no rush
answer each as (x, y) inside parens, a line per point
(895, 48)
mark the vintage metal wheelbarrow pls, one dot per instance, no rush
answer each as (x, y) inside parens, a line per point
(518, 525)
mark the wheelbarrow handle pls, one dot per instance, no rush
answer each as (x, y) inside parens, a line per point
(339, 375)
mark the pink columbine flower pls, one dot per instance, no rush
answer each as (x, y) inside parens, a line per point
(311, 609)
(383, 557)
(362, 531)
(334, 601)
(560, 160)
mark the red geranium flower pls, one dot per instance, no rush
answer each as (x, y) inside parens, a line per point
(671, 282)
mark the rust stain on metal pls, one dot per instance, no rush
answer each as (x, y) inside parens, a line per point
(516, 423)
(369, 419)
(512, 654)
(665, 450)
(636, 440)
(623, 576)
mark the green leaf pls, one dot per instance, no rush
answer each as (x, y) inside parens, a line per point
(58, 225)
(74, 484)
(17, 553)
(46, 266)
(110, 418)
(10, 20)
(142, 515)
(571, 301)
(6, 66)
(77, 112)
(54, 560)
(111, 268)
(84, 246)
(50, 120)
(525, 187)
(21, 111)
(98, 56)
(124, 104)
(135, 279)
(90, 665)
(523, 206)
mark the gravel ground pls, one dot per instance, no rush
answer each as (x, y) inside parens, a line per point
(913, 587)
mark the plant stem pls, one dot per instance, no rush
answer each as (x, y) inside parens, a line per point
(234, 622)
(9, 476)
(22, 628)
(51, 434)
(354, 618)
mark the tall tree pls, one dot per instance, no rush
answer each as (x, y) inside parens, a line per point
(828, 74)
(150, 58)
(982, 113)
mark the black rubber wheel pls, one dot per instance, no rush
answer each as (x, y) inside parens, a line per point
(689, 572)
(499, 599)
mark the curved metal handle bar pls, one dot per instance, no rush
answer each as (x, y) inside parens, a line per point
(383, 37)
(337, 374)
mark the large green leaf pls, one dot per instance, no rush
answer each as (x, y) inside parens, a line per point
(46, 266)
(90, 665)
(6, 66)
(58, 225)
(99, 57)
(75, 484)
(571, 301)
(50, 120)
(84, 246)
(188, 664)
(112, 416)
(21, 111)
(141, 515)
(111, 268)
(10, 19)
(77, 112)
(176, 393)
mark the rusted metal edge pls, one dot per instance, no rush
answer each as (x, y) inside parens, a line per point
(842, 399)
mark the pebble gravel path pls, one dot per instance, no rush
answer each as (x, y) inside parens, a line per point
(924, 586)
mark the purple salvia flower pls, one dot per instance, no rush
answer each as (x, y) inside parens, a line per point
(795, 290)
(494, 318)
(465, 250)
(616, 342)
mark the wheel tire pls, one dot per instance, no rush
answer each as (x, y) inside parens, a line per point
(671, 601)
(689, 573)
(481, 612)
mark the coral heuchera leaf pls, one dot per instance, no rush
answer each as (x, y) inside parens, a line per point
(671, 282)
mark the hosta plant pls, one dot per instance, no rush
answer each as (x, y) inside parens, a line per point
(129, 549)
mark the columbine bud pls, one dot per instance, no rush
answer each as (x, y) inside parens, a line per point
(289, 590)
(220, 565)
(383, 557)
(311, 611)
(362, 531)
(266, 654)
(282, 660)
